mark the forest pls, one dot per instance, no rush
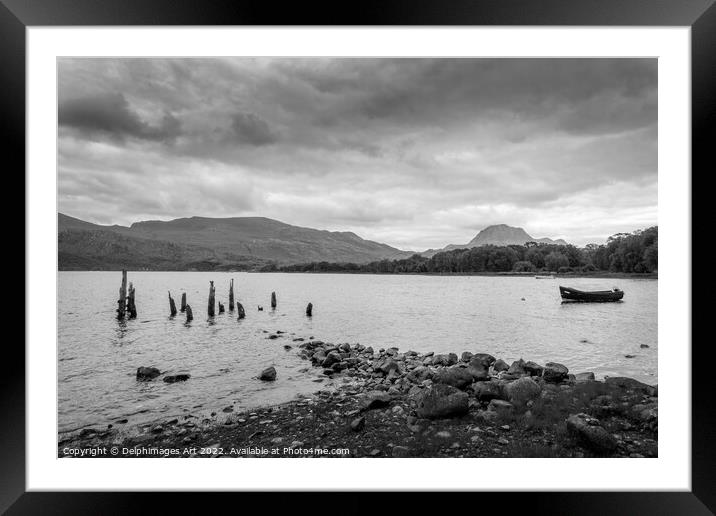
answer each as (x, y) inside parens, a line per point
(635, 252)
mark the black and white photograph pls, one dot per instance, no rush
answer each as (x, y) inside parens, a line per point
(354, 257)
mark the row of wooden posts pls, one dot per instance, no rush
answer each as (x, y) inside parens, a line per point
(127, 307)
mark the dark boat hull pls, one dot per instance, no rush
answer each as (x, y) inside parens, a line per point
(601, 296)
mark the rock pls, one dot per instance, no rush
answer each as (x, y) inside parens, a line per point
(590, 434)
(358, 424)
(498, 406)
(444, 360)
(500, 365)
(147, 373)
(478, 370)
(584, 377)
(332, 358)
(458, 377)
(441, 400)
(388, 365)
(629, 384)
(533, 368)
(419, 374)
(400, 451)
(517, 367)
(345, 347)
(644, 346)
(444, 434)
(629, 356)
(273, 336)
(466, 356)
(554, 372)
(268, 374)
(486, 359)
(523, 390)
(177, 378)
(374, 400)
(87, 432)
(486, 391)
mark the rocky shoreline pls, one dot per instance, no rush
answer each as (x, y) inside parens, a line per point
(408, 404)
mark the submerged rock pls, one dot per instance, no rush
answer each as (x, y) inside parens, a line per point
(268, 374)
(147, 373)
(441, 400)
(177, 378)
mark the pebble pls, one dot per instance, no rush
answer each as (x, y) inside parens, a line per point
(444, 434)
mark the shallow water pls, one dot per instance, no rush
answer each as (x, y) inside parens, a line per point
(98, 356)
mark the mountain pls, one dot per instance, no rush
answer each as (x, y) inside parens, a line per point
(204, 243)
(500, 235)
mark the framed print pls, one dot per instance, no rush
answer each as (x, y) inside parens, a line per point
(422, 241)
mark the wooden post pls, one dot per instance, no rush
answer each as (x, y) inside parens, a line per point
(212, 303)
(309, 310)
(240, 309)
(189, 315)
(131, 307)
(231, 296)
(183, 301)
(122, 301)
(172, 306)
(221, 307)
(273, 300)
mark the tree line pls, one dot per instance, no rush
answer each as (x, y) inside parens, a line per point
(635, 252)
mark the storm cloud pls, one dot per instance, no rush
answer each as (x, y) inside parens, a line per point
(416, 153)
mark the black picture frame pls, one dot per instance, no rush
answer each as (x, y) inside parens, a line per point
(700, 15)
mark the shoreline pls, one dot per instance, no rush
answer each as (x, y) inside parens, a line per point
(597, 274)
(408, 404)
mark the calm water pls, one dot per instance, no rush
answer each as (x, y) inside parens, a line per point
(98, 356)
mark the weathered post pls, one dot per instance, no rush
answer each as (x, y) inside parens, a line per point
(189, 315)
(131, 307)
(240, 309)
(273, 300)
(212, 303)
(183, 301)
(172, 306)
(221, 307)
(122, 301)
(231, 296)
(309, 310)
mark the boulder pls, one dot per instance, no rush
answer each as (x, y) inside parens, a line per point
(444, 360)
(554, 372)
(442, 401)
(268, 374)
(419, 374)
(500, 365)
(374, 400)
(478, 370)
(388, 365)
(466, 356)
(332, 358)
(458, 377)
(486, 359)
(629, 384)
(533, 368)
(584, 377)
(517, 367)
(147, 373)
(523, 390)
(486, 391)
(589, 433)
(177, 378)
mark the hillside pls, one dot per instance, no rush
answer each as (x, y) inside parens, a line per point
(499, 235)
(207, 244)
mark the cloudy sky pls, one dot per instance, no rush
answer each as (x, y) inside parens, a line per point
(416, 153)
